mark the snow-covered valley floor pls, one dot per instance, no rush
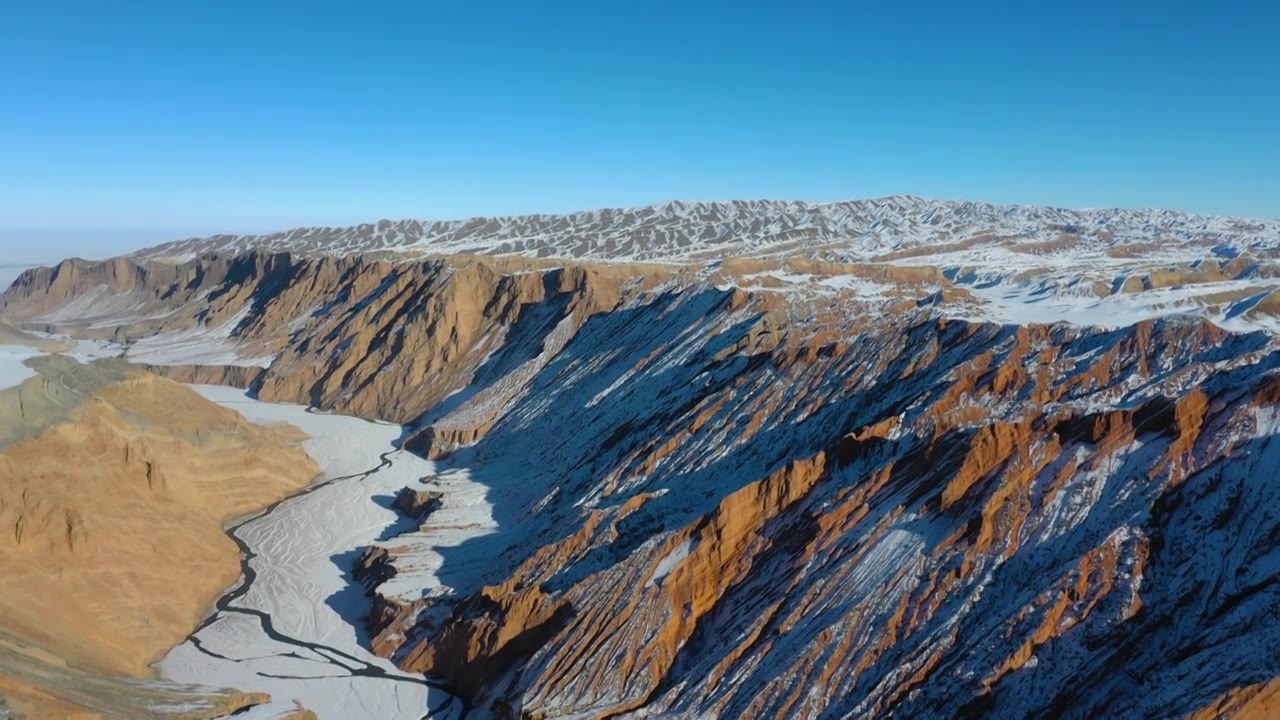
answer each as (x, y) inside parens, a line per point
(13, 358)
(13, 368)
(293, 624)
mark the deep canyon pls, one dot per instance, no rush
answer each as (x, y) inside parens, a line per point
(890, 458)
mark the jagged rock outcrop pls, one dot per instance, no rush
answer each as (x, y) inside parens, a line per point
(232, 375)
(416, 503)
(935, 486)
(377, 339)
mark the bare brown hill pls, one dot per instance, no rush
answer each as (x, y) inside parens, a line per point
(114, 485)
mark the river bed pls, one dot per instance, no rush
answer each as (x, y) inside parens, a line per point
(293, 624)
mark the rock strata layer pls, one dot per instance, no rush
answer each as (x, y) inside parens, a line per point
(114, 485)
(721, 502)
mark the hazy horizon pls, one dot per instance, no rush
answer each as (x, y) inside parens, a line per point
(27, 247)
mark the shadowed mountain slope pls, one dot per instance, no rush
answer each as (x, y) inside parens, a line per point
(678, 490)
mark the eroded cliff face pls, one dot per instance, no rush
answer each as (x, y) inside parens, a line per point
(935, 519)
(715, 502)
(369, 338)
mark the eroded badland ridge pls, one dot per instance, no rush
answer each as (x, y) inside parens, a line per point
(114, 484)
(861, 474)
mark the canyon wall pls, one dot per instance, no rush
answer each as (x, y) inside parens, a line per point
(719, 502)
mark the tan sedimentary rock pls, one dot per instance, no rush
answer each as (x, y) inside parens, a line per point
(605, 644)
(417, 504)
(232, 375)
(300, 714)
(720, 502)
(35, 687)
(1253, 702)
(116, 509)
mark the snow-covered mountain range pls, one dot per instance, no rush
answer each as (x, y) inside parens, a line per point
(682, 232)
(999, 263)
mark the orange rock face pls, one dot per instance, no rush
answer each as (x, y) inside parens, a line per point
(115, 509)
(710, 503)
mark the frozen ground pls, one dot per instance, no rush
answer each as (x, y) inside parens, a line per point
(1029, 302)
(464, 513)
(13, 368)
(197, 346)
(13, 371)
(293, 625)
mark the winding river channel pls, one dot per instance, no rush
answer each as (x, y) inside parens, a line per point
(292, 626)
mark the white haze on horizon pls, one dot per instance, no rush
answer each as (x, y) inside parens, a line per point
(23, 248)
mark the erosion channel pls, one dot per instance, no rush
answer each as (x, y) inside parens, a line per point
(292, 626)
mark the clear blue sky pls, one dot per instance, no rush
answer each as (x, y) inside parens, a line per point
(178, 116)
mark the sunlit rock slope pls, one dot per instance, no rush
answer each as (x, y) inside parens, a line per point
(114, 484)
(706, 492)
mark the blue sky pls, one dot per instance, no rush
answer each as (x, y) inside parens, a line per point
(192, 117)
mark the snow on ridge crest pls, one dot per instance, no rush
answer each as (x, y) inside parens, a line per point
(683, 231)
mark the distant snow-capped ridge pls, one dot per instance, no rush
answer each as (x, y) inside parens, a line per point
(681, 232)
